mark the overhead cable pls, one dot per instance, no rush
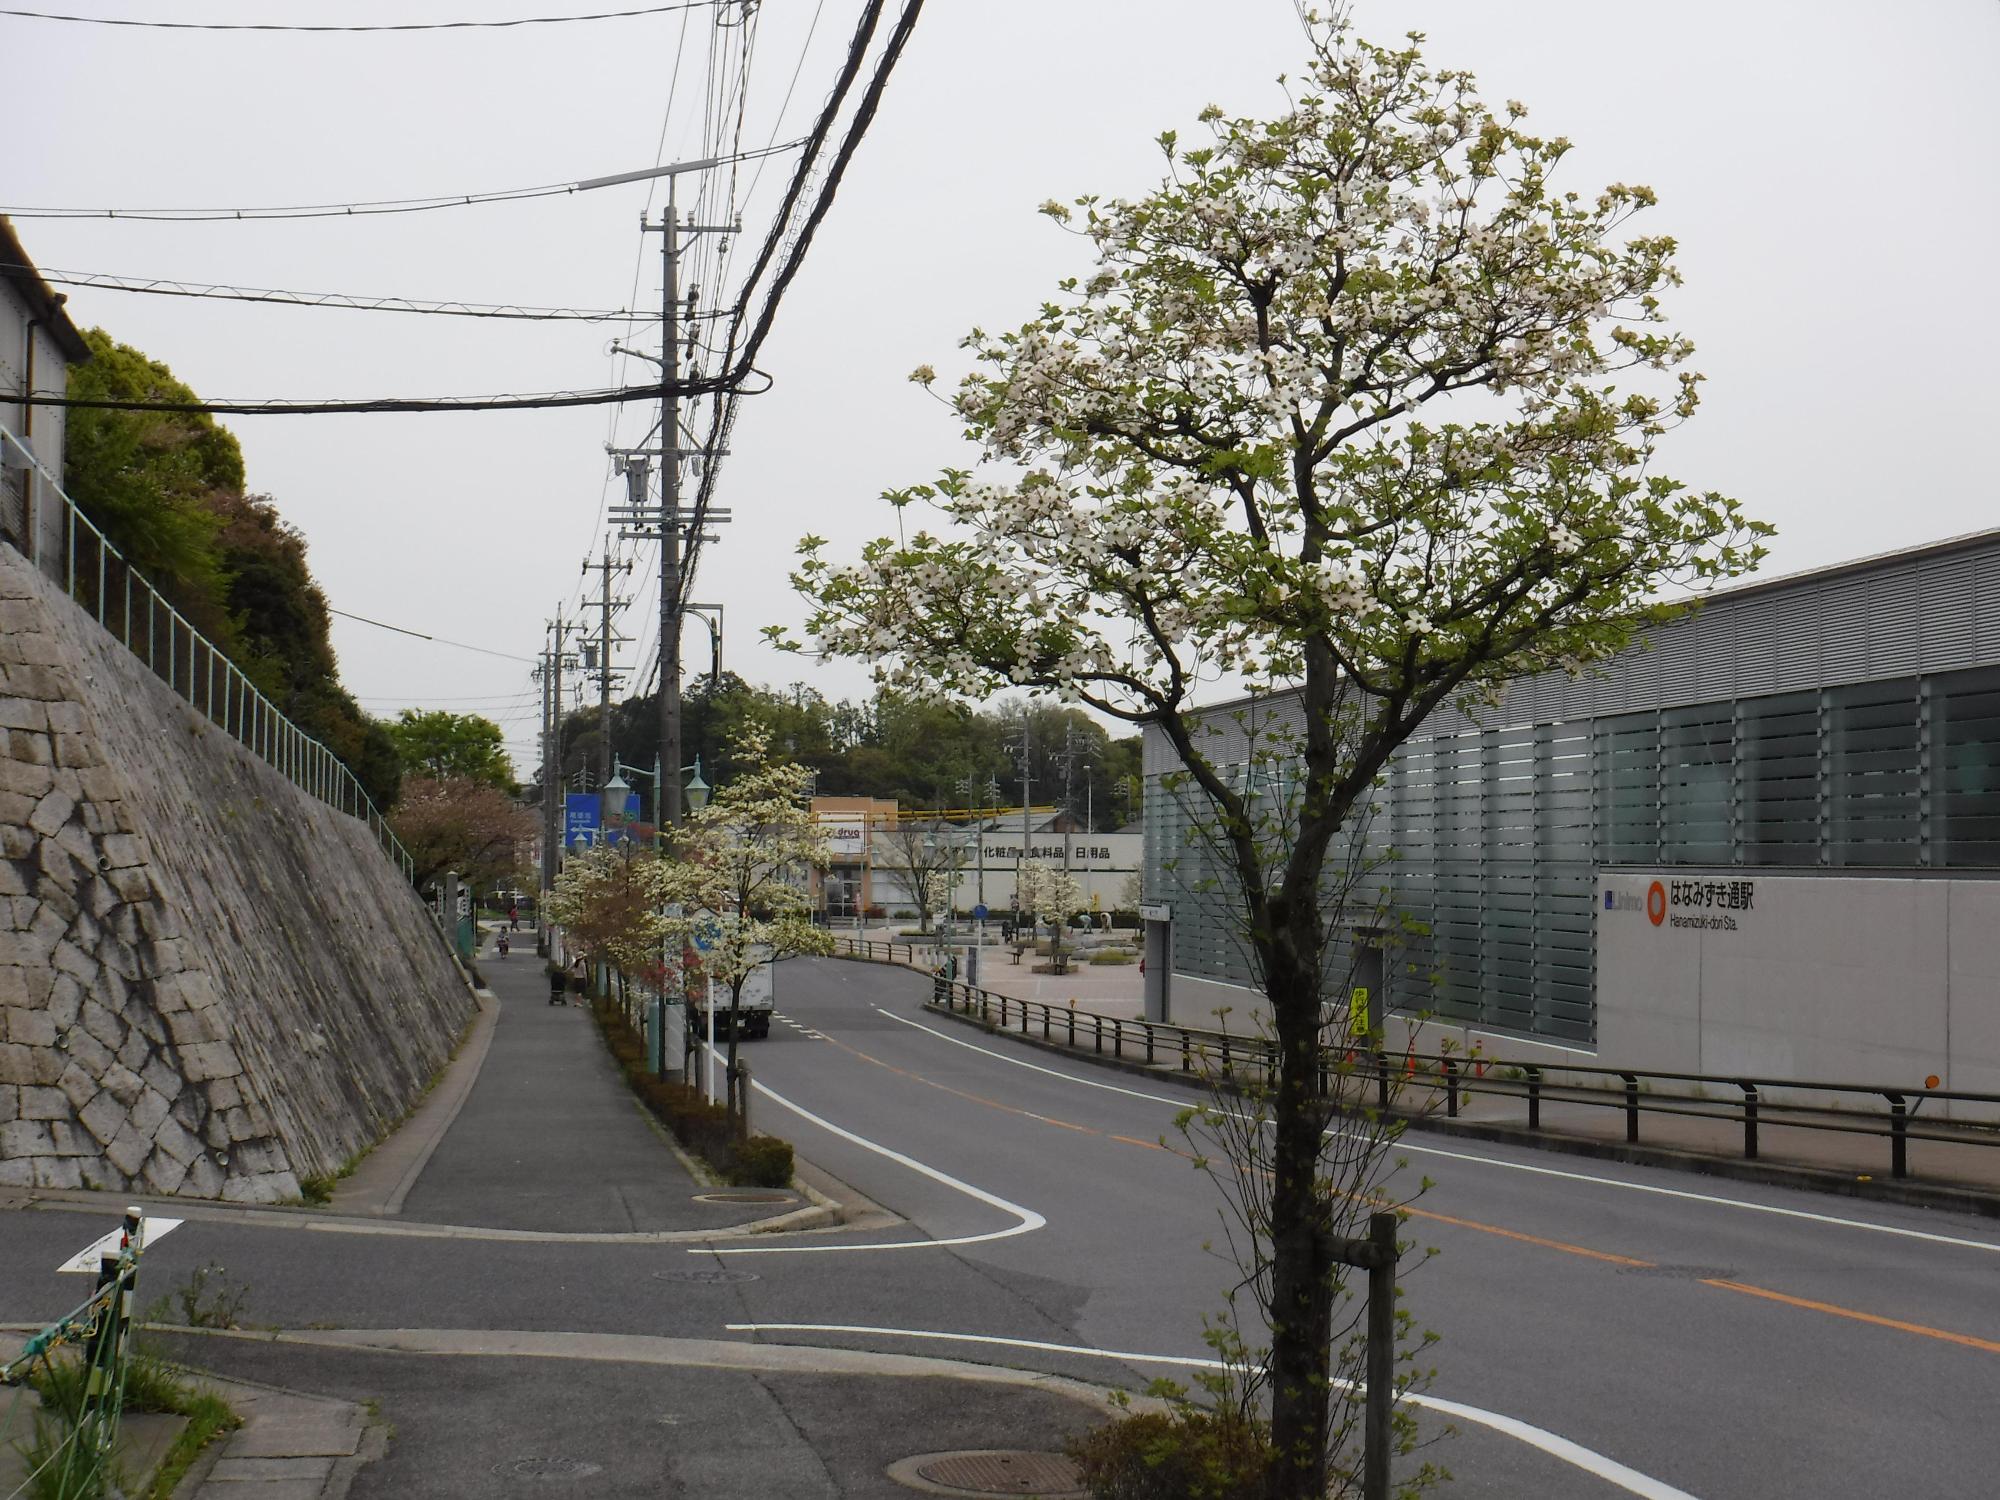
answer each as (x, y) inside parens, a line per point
(602, 15)
(160, 286)
(353, 210)
(381, 404)
(420, 635)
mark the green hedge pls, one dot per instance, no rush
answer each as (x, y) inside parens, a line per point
(702, 1128)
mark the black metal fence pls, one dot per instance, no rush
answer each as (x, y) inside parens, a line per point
(1442, 1082)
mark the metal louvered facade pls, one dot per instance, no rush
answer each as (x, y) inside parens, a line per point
(1843, 719)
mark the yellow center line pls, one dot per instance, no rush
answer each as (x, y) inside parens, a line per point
(1527, 1239)
(1562, 1246)
(1833, 1309)
(1026, 1114)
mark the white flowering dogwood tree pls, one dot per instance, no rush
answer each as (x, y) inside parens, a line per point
(607, 901)
(1363, 403)
(1053, 895)
(738, 878)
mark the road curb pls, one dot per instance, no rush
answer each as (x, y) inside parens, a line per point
(1698, 1163)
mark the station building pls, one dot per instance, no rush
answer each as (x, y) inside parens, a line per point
(1764, 839)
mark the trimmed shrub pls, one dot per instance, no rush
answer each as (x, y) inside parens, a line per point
(703, 1129)
(762, 1161)
(1111, 956)
(1190, 1455)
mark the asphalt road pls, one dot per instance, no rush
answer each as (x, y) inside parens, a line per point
(1694, 1338)
(1727, 1339)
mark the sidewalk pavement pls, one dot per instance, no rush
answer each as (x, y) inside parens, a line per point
(532, 1128)
(291, 1446)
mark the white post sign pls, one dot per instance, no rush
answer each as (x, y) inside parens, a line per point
(86, 1259)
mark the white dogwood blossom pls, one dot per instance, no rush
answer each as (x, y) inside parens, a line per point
(1360, 400)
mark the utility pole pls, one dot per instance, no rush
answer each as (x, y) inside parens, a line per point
(670, 516)
(669, 520)
(604, 672)
(1027, 786)
(1069, 790)
(553, 661)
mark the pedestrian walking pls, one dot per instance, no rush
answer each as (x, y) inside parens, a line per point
(513, 918)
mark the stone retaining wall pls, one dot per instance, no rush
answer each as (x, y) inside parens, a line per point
(210, 983)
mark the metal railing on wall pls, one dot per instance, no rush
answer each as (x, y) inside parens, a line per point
(118, 596)
(1408, 1081)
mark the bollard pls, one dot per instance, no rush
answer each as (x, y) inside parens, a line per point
(1899, 1138)
(1749, 1120)
(1378, 1435)
(1450, 1089)
(1631, 1108)
(1534, 1098)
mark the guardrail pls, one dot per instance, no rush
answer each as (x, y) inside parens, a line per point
(119, 597)
(1442, 1081)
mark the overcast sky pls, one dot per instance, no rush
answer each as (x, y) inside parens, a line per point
(1827, 167)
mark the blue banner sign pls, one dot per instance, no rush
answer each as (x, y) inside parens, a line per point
(579, 818)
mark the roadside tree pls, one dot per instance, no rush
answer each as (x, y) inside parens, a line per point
(452, 823)
(739, 876)
(1053, 895)
(1358, 403)
(925, 855)
(436, 743)
(608, 901)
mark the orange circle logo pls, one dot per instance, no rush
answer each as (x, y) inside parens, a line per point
(1656, 903)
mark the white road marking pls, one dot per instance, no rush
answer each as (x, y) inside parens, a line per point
(1575, 1454)
(1405, 1144)
(1029, 1219)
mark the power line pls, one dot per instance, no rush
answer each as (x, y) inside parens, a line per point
(383, 404)
(420, 635)
(341, 210)
(359, 302)
(602, 15)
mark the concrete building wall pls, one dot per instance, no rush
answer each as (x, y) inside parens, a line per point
(38, 343)
(1869, 979)
(211, 983)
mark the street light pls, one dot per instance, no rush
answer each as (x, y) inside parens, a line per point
(697, 789)
(611, 807)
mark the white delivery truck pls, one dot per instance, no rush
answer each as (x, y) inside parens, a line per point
(753, 1010)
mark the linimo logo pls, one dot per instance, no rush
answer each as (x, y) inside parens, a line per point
(1622, 898)
(1656, 903)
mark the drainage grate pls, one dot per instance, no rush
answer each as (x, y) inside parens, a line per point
(1002, 1471)
(1681, 1273)
(547, 1468)
(745, 1197)
(705, 1278)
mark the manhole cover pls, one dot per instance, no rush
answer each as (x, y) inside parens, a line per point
(744, 1197)
(547, 1468)
(705, 1278)
(999, 1471)
(1680, 1273)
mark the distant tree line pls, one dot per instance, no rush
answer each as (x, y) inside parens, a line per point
(923, 753)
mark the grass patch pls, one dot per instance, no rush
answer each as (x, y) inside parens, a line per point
(208, 1418)
(151, 1386)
